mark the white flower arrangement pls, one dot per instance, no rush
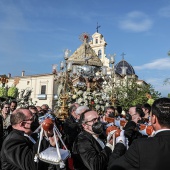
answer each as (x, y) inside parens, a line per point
(90, 97)
(102, 107)
(80, 92)
(74, 96)
(86, 102)
(97, 107)
(96, 101)
(80, 100)
(107, 104)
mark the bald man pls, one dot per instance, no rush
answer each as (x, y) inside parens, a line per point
(89, 151)
(19, 148)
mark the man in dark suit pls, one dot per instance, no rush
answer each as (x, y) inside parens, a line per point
(90, 152)
(19, 148)
(149, 153)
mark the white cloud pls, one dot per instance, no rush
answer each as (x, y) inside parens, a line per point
(159, 64)
(136, 21)
(165, 12)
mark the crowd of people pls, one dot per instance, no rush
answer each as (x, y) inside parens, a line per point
(138, 139)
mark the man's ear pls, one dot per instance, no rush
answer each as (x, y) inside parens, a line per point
(22, 124)
(84, 125)
(153, 119)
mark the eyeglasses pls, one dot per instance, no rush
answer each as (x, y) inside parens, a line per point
(134, 114)
(93, 120)
(30, 119)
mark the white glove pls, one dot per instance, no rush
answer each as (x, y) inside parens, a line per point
(109, 136)
(62, 164)
(117, 123)
(110, 124)
(143, 132)
(121, 138)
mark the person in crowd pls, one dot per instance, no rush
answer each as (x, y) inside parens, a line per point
(71, 126)
(45, 108)
(19, 148)
(5, 119)
(89, 151)
(152, 152)
(1, 134)
(33, 109)
(146, 109)
(71, 130)
(136, 114)
(135, 118)
(40, 111)
(119, 111)
(80, 110)
(13, 106)
(109, 111)
(35, 123)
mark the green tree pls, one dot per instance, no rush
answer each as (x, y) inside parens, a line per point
(131, 93)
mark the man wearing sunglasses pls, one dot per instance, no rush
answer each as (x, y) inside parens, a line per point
(19, 148)
(90, 152)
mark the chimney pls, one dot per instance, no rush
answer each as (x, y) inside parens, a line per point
(23, 73)
(9, 75)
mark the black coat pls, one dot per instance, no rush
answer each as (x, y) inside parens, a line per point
(89, 155)
(18, 152)
(150, 153)
(1, 131)
(71, 130)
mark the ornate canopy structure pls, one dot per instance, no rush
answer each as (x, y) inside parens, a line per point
(85, 55)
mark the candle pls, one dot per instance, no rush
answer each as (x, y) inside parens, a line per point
(104, 71)
(69, 66)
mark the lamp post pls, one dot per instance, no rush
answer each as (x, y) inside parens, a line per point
(62, 77)
(110, 78)
(113, 78)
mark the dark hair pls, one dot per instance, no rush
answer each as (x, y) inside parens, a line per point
(17, 117)
(147, 106)
(109, 107)
(72, 109)
(13, 101)
(3, 104)
(46, 105)
(119, 109)
(32, 107)
(140, 111)
(161, 109)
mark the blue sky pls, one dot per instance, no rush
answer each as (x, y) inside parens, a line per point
(34, 33)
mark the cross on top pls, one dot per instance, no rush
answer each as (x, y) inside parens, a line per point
(98, 26)
(123, 54)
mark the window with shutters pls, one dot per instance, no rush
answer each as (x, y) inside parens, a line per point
(43, 89)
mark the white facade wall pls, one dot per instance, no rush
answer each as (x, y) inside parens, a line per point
(35, 82)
